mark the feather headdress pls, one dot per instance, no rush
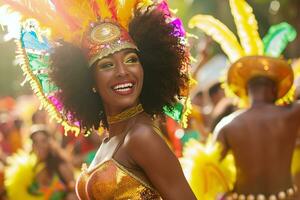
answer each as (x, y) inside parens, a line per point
(253, 56)
(37, 24)
(100, 27)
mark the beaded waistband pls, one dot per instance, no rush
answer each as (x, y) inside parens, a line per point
(282, 195)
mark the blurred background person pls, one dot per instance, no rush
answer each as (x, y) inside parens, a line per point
(85, 148)
(45, 174)
(221, 105)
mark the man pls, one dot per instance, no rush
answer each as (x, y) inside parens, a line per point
(261, 137)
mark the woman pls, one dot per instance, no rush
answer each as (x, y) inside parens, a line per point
(134, 147)
(125, 70)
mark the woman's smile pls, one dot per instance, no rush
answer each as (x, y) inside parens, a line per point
(124, 88)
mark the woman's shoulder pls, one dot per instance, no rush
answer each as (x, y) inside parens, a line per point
(142, 131)
(144, 144)
(144, 134)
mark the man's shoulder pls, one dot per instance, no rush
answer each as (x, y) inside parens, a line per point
(229, 120)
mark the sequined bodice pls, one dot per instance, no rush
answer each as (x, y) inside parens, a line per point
(111, 181)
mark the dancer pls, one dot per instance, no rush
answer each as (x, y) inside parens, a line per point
(118, 64)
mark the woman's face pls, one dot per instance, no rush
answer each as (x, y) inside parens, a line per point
(40, 145)
(119, 80)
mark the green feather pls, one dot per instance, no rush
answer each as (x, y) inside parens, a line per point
(278, 38)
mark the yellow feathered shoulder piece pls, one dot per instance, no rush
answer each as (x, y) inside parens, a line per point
(207, 175)
(19, 176)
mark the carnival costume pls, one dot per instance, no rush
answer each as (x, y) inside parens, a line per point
(253, 57)
(111, 180)
(20, 182)
(99, 28)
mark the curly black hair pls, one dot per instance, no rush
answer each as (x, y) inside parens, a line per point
(161, 54)
(69, 70)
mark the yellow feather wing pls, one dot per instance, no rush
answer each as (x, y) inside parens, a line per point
(19, 175)
(220, 33)
(207, 175)
(247, 27)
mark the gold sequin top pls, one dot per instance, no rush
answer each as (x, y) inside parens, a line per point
(111, 181)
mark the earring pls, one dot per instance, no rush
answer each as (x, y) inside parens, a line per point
(94, 90)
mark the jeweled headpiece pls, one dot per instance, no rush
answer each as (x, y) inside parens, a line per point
(254, 56)
(105, 38)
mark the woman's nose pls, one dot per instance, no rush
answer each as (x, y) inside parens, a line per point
(121, 69)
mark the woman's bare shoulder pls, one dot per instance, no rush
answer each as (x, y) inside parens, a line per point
(143, 133)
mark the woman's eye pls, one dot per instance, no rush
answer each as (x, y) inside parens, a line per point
(132, 60)
(106, 65)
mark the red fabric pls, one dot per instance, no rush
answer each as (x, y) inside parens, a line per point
(172, 126)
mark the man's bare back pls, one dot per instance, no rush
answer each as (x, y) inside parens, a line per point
(262, 139)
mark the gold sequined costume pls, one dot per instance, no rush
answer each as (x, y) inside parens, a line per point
(110, 180)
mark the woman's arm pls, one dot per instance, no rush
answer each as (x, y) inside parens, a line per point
(161, 166)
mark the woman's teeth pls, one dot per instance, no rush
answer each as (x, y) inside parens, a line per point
(123, 87)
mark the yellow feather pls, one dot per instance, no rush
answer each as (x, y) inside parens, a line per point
(206, 174)
(125, 11)
(19, 175)
(247, 27)
(82, 15)
(144, 4)
(220, 33)
(104, 9)
(288, 97)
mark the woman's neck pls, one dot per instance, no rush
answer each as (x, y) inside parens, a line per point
(114, 110)
(121, 127)
(122, 121)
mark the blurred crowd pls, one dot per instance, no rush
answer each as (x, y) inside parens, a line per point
(26, 128)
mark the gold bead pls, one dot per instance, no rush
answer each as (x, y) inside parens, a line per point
(84, 167)
(295, 188)
(261, 197)
(235, 196)
(250, 197)
(229, 197)
(281, 195)
(272, 197)
(242, 197)
(290, 192)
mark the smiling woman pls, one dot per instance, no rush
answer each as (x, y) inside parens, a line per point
(147, 77)
(120, 73)
(123, 90)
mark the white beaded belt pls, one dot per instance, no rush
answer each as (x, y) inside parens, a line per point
(282, 195)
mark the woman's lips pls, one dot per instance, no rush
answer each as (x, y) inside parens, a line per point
(124, 88)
